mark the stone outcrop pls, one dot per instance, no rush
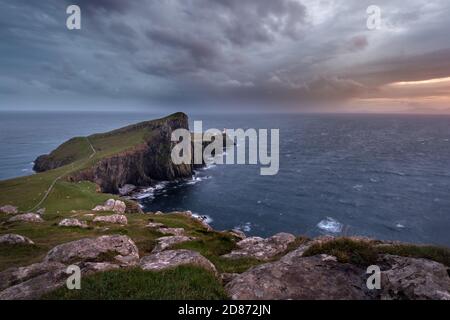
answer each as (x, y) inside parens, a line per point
(14, 239)
(166, 242)
(174, 258)
(73, 223)
(116, 206)
(298, 278)
(414, 279)
(115, 219)
(8, 209)
(262, 249)
(27, 217)
(115, 248)
(172, 231)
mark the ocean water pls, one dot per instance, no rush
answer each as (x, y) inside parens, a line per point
(384, 176)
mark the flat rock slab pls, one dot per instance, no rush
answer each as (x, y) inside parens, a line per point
(14, 239)
(414, 279)
(174, 258)
(155, 225)
(115, 248)
(172, 231)
(114, 219)
(262, 249)
(297, 278)
(166, 242)
(8, 209)
(27, 217)
(73, 223)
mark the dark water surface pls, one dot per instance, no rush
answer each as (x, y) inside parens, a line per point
(386, 176)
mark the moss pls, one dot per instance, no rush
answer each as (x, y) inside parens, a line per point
(182, 283)
(346, 251)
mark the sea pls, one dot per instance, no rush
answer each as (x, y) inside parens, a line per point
(381, 176)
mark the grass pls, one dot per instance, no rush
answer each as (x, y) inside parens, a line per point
(181, 283)
(438, 254)
(346, 251)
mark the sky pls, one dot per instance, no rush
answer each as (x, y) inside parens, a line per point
(226, 55)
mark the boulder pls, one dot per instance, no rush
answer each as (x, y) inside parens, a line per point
(155, 225)
(297, 278)
(73, 223)
(115, 219)
(116, 206)
(414, 279)
(262, 249)
(14, 239)
(112, 248)
(166, 242)
(172, 231)
(238, 234)
(8, 209)
(126, 189)
(41, 211)
(174, 258)
(27, 217)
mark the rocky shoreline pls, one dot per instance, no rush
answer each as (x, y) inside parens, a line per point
(287, 268)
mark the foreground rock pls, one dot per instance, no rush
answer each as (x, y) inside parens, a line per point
(73, 223)
(14, 239)
(262, 249)
(167, 242)
(414, 279)
(318, 277)
(115, 219)
(27, 217)
(8, 209)
(116, 248)
(116, 206)
(174, 258)
(172, 231)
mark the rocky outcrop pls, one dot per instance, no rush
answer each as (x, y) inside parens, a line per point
(14, 239)
(167, 242)
(73, 223)
(299, 278)
(116, 206)
(8, 209)
(114, 219)
(143, 164)
(262, 249)
(172, 231)
(174, 258)
(118, 249)
(414, 279)
(27, 217)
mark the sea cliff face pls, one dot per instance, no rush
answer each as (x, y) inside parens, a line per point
(141, 164)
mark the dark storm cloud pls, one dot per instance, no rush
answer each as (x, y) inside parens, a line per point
(263, 50)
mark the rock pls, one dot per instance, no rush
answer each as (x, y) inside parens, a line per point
(73, 223)
(115, 218)
(158, 213)
(14, 239)
(166, 242)
(94, 267)
(41, 211)
(8, 209)
(126, 189)
(172, 231)
(414, 279)
(238, 234)
(116, 206)
(13, 276)
(262, 249)
(27, 217)
(115, 248)
(174, 258)
(155, 225)
(227, 277)
(299, 278)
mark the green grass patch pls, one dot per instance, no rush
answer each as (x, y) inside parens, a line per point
(346, 251)
(182, 283)
(438, 254)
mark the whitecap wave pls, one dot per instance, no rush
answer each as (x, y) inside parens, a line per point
(330, 225)
(205, 218)
(246, 227)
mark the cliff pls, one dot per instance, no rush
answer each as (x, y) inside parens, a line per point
(138, 154)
